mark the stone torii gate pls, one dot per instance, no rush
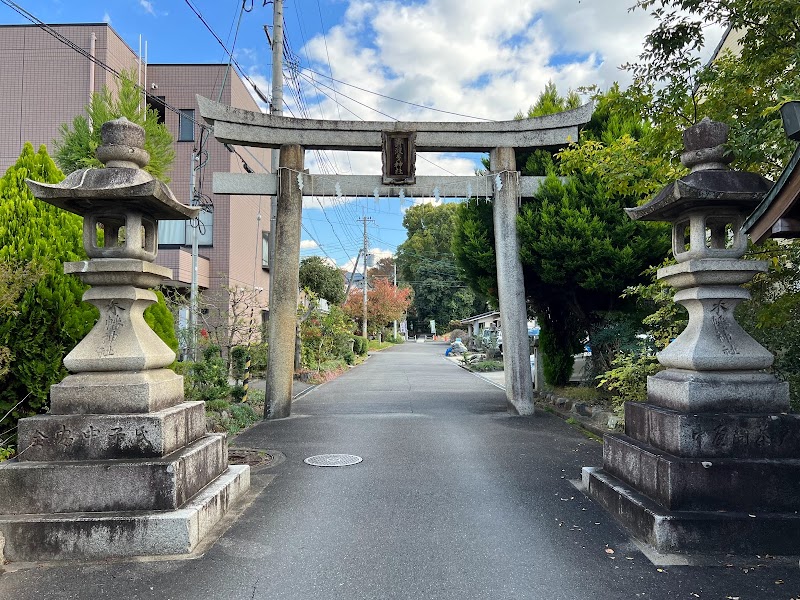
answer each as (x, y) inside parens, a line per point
(399, 142)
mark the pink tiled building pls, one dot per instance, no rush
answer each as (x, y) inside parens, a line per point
(47, 83)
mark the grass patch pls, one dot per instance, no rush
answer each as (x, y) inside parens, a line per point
(485, 366)
(376, 345)
(230, 417)
(588, 394)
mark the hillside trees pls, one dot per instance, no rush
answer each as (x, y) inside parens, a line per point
(426, 261)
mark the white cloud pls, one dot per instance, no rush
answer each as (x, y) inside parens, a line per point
(308, 245)
(458, 56)
(148, 7)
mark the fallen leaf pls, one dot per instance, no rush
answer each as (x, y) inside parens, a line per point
(609, 551)
(779, 582)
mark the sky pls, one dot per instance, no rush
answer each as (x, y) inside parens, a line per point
(481, 59)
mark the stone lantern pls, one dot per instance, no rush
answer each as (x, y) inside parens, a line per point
(709, 462)
(122, 465)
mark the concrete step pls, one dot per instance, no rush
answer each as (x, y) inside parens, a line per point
(111, 485)
(703, 483)
(692, 531)
(81, 536)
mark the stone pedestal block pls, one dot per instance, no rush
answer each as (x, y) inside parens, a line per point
(115, 393)
(703, 484)
(111, 485)
(97, 536)
(713, 391)
(714, 435)
(693, 531)
(103, 437)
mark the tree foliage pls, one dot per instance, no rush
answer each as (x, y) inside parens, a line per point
(383, 269)
(426, 261)
(160, 319)
(50, 318)
(578, 248)
(75, 149)
(385, 303)
(324, 280)
(742, 88)
(325, 336)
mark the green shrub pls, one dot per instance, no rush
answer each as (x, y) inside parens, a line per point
(238, 362)
(160, 320)
(557, 360)
(627, 380)
(395, 339)
(259, 358)
(218, 405)
(237, 393)
(360, 346)
(349, 357)
(485, 366)
(207, 379)
(244, 415)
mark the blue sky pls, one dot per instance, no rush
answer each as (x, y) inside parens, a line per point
(484, 59)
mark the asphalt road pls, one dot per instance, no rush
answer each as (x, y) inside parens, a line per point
(454, 499)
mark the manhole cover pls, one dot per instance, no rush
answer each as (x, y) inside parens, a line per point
(333, 460)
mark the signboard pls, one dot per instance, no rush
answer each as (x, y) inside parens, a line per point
(399, 157)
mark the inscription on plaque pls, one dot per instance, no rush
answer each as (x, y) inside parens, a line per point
(399, 157)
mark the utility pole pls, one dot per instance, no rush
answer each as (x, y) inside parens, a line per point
(394, 266)
(275, 108)
(193, 292)
(365, 220)
(353, 274)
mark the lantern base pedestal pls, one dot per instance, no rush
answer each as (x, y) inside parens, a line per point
(718, 391)
(692, 531)
(702, 481)
(97, 536)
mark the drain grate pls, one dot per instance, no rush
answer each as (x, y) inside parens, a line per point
(333, 460)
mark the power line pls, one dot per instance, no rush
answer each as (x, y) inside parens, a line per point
(446, 112)
(85, 53)
(242, 72)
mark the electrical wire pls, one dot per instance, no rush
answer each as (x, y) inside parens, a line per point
(241, 71)
(85, 53)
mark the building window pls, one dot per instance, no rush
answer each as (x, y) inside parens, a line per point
(157, 103)
(186, 125)
(171, 233)
(205, 233)
(265, 250)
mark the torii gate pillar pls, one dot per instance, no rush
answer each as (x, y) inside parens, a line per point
(285, 279)
(511, 285)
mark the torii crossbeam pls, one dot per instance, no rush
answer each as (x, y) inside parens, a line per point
(398, 141)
